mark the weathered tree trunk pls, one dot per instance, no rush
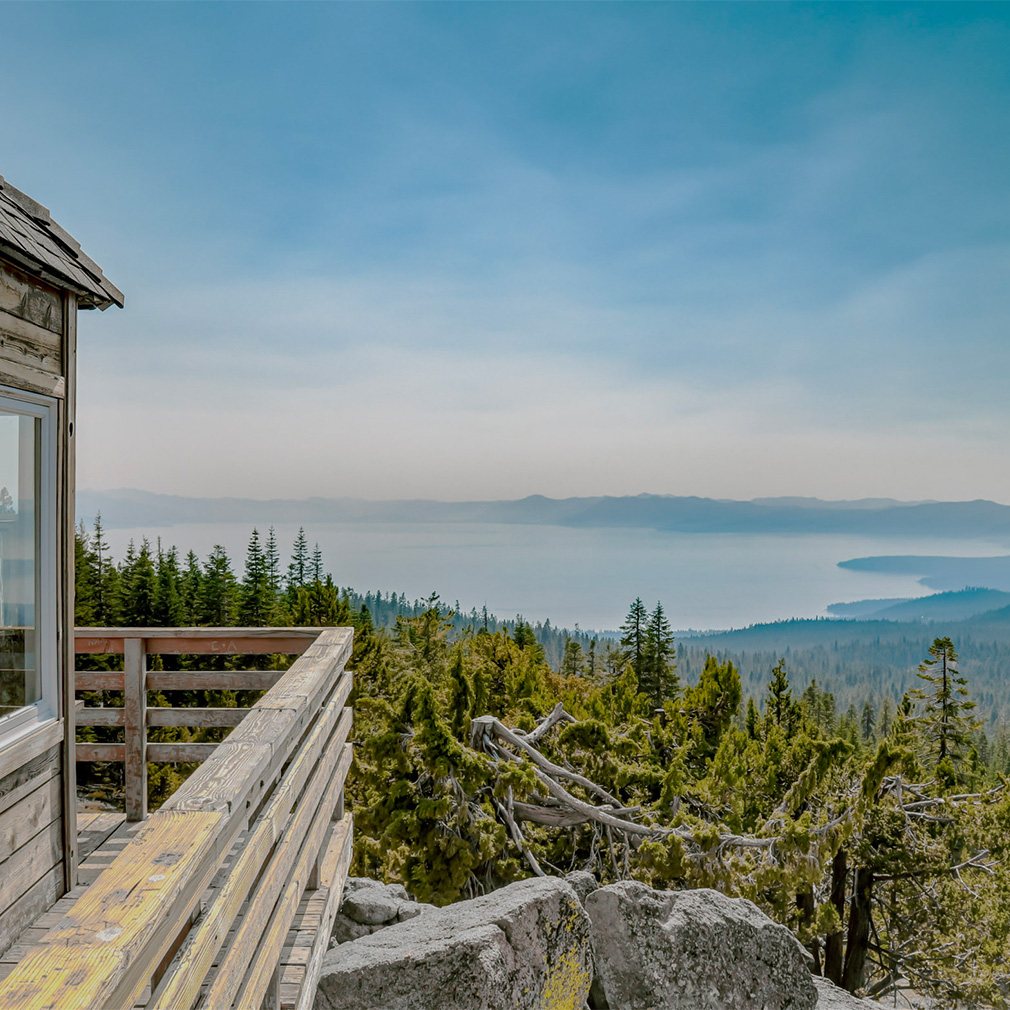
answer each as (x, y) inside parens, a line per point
(854, 976)
(805, 903)
(833, 947)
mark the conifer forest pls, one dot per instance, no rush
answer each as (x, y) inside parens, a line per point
(486, 751)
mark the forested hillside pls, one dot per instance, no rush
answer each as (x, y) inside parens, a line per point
(878, 833)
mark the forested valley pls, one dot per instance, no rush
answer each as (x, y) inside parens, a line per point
(486, 751)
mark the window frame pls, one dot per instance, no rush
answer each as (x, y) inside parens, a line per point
(47, 708)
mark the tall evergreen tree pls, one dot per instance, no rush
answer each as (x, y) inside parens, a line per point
(272, 562)
(658, 679)
(256, 606)
(298, 567)
(106, 579)
(84, 579)
(190, 589)
(635, 637)
(219, 590)
(780, 707)
(168, 609)
(139, 586)
(945, 722)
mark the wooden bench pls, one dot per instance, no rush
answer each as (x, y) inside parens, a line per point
(264, 816)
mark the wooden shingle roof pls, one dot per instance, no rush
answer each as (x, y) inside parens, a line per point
(30, 238)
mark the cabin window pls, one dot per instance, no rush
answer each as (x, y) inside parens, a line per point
(27, 563)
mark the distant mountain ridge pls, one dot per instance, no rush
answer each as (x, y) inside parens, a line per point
(947, 606)
(127, 507)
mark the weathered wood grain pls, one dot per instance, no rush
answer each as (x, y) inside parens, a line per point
(94, 832)
(34, 858)
(28, 777)
(113, 937)
(23, 375)
(336, 865)
(268, 950)
(30, 815)
(212, 680)
(25, 749)
(298, 845)
(195, 716)
(22, 340)
(135, 715)
(35, 900)
(101, 752)
(29, 300)
(101, 717)
(98, 680)
(178, 752)
(66, 549)
(231, 782)
(183, 987)
(199, 641)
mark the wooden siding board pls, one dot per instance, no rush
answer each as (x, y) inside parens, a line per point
(27, 817)
(35, 857)
(28, 299)
(26, 909)
(35, 380)
(24, 341)
(25, 749)
(29, 776)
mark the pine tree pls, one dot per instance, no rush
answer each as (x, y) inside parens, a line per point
(107, 593)
(84, 579)
(256, 604)
(780, 707)
(219, 591)
(657, 679)
(272, 563)
(868, 722)
(634, 639)
(168, 609)
(139, 586)
(945, 722)
(572, 662)
(298, 567)
(191, 589)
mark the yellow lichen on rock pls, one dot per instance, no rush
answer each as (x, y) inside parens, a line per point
(568, 982)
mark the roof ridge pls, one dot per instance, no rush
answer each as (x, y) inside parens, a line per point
(63, 247)
(32, 208)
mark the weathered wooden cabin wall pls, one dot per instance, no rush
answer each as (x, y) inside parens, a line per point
(38, 825)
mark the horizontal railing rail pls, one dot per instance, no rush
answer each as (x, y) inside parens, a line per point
(198, 906)
(135, 680)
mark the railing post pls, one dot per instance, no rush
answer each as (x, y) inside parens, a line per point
(135, 705)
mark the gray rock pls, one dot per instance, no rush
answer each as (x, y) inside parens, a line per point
(583, 883)
(524, 947)
(411, 909)
(692, 950)
(344, 930)
(372, 906)
(830, 997)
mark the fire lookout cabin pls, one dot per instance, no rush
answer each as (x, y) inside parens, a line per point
(223, 897)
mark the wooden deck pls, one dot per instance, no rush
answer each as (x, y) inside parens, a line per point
(224, 896)
(103, 836)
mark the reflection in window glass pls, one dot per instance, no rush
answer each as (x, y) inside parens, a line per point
(20, 439)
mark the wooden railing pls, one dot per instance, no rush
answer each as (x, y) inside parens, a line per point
(198, 905)
(135, 680)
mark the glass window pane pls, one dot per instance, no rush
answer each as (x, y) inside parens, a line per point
(20, 442)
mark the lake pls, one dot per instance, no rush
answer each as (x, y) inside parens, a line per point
(589, 576)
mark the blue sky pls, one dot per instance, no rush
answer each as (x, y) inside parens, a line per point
(487, 250)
